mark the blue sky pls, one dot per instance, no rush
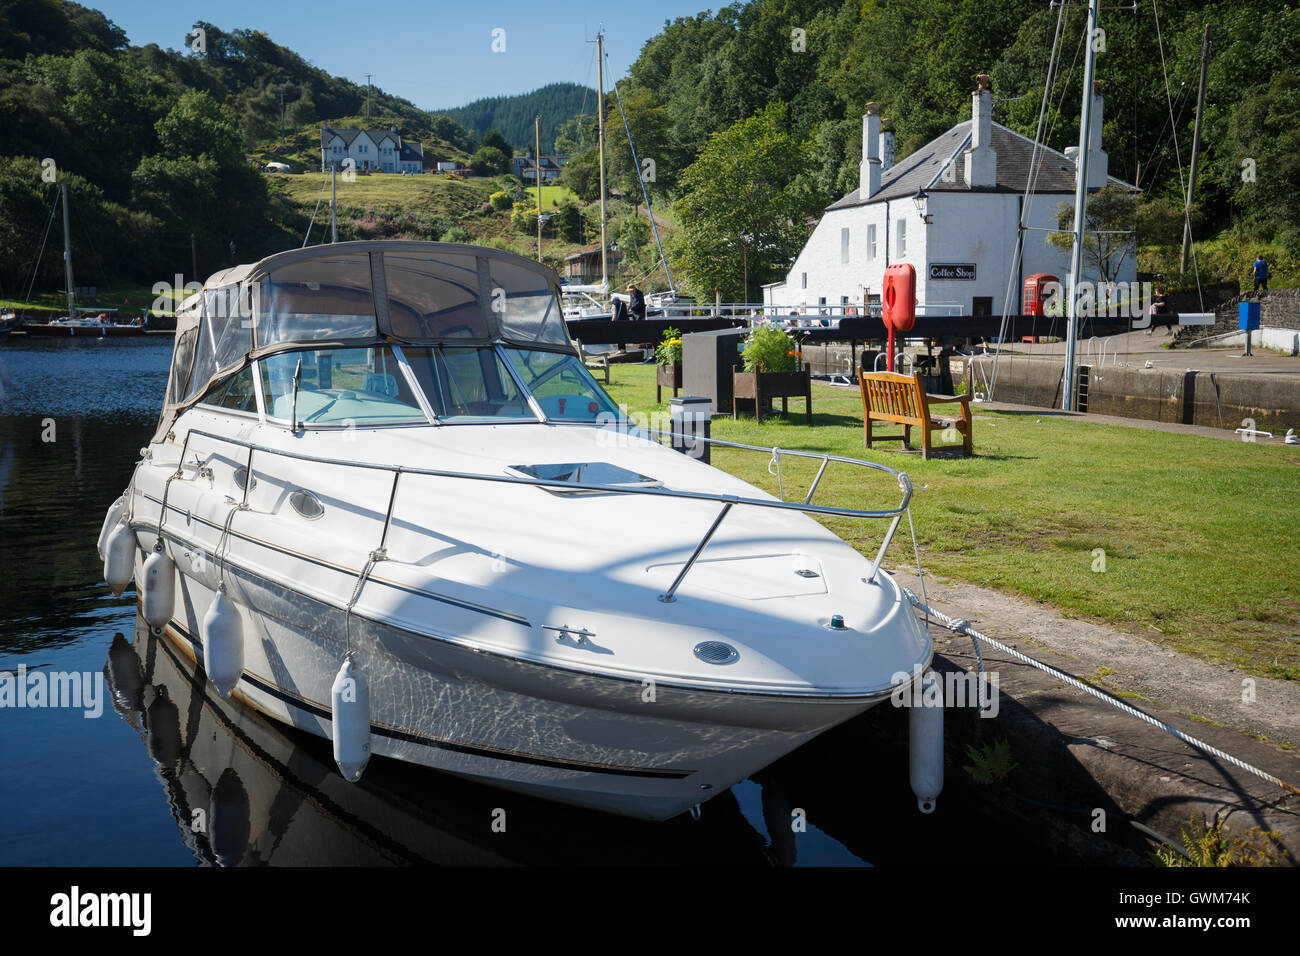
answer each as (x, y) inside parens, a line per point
(436, 54)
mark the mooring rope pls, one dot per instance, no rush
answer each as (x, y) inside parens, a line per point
(963, 627)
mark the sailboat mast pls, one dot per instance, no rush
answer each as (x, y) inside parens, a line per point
(537, 166)
(600, 141)
(334, 205)
(1196, 153)
(67, 247)
(1080, 198)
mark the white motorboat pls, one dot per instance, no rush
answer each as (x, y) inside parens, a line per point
(386, 503)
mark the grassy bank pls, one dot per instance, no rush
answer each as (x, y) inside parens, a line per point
(1199, 552)
(128, 299)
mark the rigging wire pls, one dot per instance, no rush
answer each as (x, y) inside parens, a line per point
(37, 262)
(1187, 213)
(319, 200)
(636, 171)
(1035, 164)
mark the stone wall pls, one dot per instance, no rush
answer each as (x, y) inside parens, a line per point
(1212, 399)
(1279, 309)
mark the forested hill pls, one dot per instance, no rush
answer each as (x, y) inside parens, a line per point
(792, 77)
(513, 116)
(156, 143)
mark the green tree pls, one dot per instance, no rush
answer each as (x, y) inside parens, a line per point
(746, 179)
(575, 135)
(1109, 216)
(198, 125)
(488, 161)
(494, 140)
(582, 175)
(568, 222)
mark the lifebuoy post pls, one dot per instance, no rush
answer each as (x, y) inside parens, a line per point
(898, 302)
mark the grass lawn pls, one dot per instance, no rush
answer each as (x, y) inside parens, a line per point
(552, 196)
(137, 298)
(428, 195)
(1198, 535)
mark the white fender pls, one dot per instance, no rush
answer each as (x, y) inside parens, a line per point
(350, 702)
(119, 557)
(223, 644)
(114, 515)
(158, 589)
(925, 743)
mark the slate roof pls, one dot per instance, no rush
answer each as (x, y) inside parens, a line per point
(348, 135)
(1055, 173)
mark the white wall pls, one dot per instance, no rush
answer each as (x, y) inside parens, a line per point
(978, 228)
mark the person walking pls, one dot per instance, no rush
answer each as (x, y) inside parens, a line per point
(1260, 272)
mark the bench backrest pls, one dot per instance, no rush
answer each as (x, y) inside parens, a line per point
(892, 396)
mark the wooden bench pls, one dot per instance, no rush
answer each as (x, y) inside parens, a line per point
(901, 399)
(595, 363)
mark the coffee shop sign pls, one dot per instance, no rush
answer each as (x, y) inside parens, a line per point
(953, 270)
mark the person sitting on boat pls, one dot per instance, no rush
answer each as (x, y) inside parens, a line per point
(636, 303)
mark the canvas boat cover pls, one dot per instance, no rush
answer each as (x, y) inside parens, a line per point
(359, 294)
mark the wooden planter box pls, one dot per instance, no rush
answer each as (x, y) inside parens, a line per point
(667, 376)
(761, 387)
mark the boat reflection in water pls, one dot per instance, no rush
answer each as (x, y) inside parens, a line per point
(248, 791)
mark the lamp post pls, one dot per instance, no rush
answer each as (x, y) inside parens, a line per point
(746, 238)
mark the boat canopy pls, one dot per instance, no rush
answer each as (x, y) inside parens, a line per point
(360, 294)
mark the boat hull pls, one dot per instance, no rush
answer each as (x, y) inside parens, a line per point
(84, 331)
(614, 745)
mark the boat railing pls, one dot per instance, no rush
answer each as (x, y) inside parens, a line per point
(727, 501)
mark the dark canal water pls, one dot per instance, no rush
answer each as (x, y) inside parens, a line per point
(166, 773)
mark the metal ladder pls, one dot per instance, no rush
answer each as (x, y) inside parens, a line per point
(1081, 390)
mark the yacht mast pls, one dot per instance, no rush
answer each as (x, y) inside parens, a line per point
(600, 141)
(334, 205)
(67, 248)
(1080, 198)
(1196, 152)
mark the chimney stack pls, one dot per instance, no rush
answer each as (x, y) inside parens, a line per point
(869, 170)
(981, 165)
(886, 145)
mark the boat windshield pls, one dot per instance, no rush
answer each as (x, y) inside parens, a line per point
(467, 383)
(561, 384)
(340, 386)
(387, 384)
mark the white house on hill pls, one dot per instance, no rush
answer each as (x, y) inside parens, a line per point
(382, 150)
(952, 209)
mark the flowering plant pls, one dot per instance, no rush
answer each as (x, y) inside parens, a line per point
(770, 349)
(669, 350)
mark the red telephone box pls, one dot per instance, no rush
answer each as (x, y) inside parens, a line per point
(898, 302)
(1038, 293)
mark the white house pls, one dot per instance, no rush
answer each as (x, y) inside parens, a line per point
(382, 150)
(951, 209)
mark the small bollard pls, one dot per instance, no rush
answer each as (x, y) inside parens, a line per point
(689, 420)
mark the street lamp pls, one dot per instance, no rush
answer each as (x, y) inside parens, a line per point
(746, 238)
(922, 201)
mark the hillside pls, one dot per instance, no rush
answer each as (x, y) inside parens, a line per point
(300, 148)
(512, 116)
(161, 145)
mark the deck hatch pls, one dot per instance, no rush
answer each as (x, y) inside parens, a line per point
(584, 473)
